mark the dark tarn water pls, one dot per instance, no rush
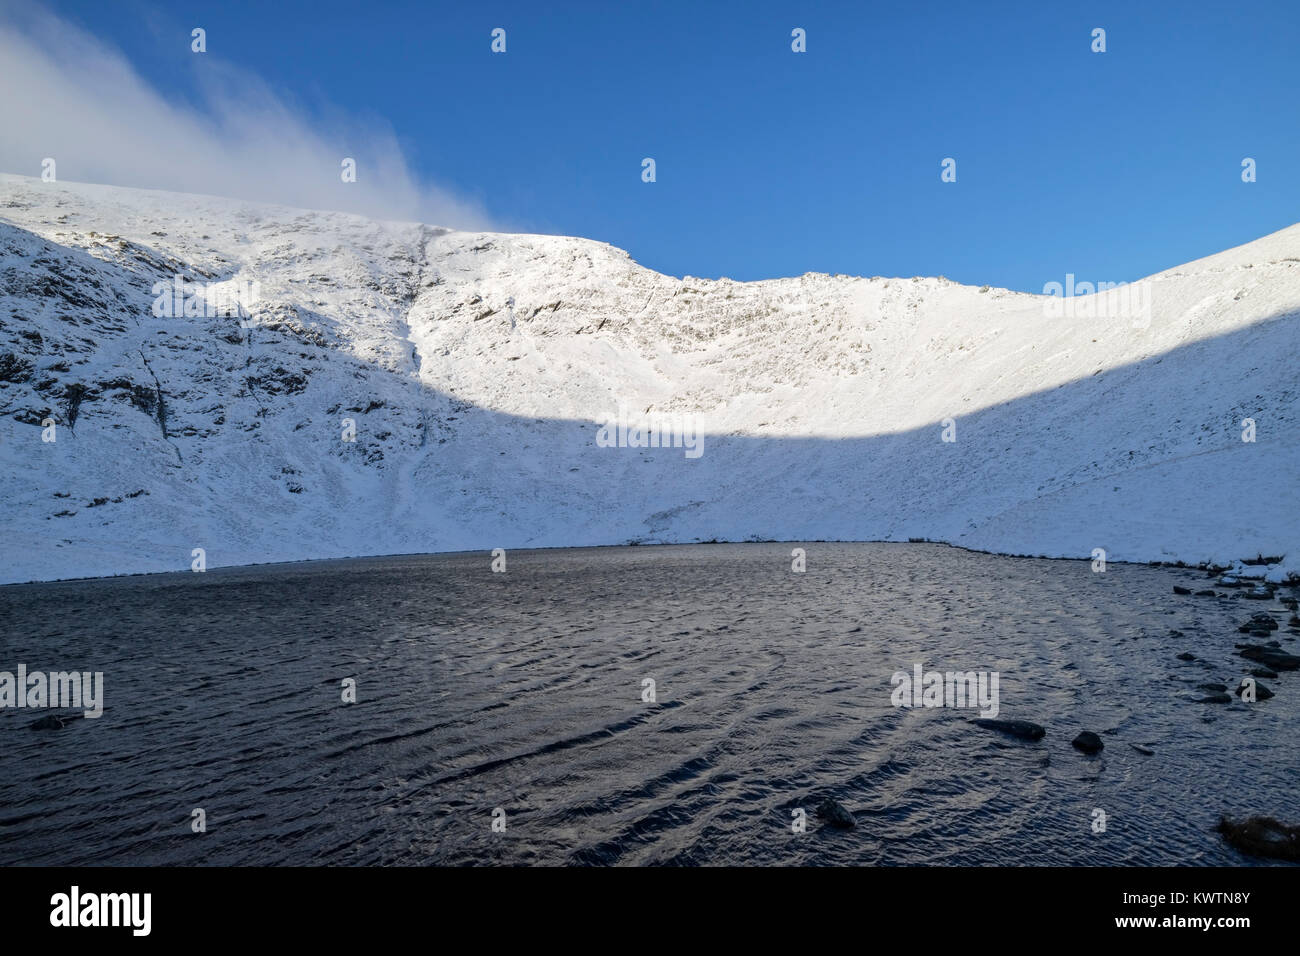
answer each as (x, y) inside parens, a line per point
(523, 691)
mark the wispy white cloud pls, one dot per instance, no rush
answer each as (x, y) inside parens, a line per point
(71, 97)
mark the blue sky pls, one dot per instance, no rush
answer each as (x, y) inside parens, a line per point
(771, 163)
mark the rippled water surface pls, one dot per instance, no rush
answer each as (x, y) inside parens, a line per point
(523, 691)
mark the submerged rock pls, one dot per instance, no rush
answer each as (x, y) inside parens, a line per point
(55, 721)
(1215, 699)
(1263, 672)
(1263, 619)
(1270, 657)
(833, 812)
(1178, 590)
(1186, 656)
(1261, 692)
(1024, 729)
(1089, 742)
(1206, 593)
(1262, 836)
(1220, 688)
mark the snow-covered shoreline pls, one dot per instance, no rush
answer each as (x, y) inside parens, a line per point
(476, 370)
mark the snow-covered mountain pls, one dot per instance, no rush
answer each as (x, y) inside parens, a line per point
(477, 368)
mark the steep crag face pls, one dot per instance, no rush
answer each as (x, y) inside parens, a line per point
(322, 385)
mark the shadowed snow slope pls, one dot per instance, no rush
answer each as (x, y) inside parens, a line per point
(477, 366)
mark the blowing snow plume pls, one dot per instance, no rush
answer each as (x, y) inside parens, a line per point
(84, 107)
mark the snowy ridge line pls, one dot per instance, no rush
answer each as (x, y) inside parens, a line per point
(472, 371)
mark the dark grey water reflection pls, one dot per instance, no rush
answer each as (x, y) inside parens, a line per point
(523, 691)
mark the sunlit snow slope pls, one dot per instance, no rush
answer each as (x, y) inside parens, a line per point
(821, 398)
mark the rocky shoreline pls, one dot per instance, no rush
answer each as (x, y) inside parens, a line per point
(1259, 835)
